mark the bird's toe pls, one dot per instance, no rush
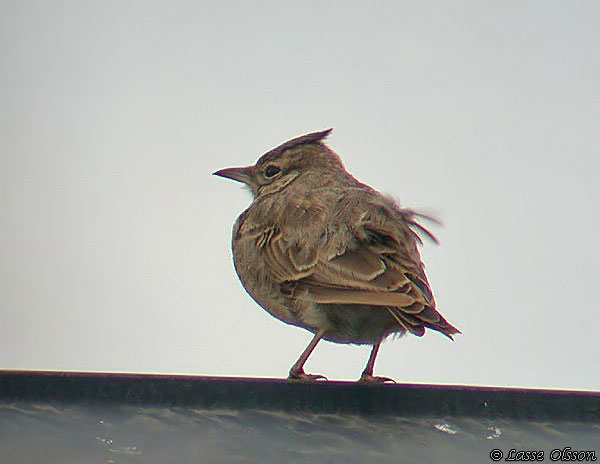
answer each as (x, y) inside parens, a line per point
(301, 376)
(367, 378)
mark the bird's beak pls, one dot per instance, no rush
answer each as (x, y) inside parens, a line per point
(244, 175)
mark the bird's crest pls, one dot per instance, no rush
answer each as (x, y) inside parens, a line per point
(313, 137)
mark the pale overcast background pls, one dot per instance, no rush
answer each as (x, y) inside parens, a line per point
(115, 238)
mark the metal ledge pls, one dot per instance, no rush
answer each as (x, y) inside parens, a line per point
(279, 395)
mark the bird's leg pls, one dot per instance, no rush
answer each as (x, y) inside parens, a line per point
(297, 370)
(367, 375)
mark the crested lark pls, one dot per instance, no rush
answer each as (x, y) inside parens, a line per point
(320, 250)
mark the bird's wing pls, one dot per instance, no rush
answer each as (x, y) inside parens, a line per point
(287, 262)
(373, 262)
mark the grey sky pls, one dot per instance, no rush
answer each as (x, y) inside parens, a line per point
(115, 238)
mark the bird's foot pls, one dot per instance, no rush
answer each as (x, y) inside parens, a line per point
(300, 376)
(368, 378)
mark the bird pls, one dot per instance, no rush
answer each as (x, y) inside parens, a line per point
(320, 250)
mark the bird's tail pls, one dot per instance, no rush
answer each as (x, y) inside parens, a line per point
(429, 318)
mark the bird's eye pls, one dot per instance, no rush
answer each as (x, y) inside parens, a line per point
(272, 171)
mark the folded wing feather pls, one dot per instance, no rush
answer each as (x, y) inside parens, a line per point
(374, 270)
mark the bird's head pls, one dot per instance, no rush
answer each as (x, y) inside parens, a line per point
(304, 156)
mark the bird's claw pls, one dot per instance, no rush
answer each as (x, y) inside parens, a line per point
(367, 378)
(301, 376)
